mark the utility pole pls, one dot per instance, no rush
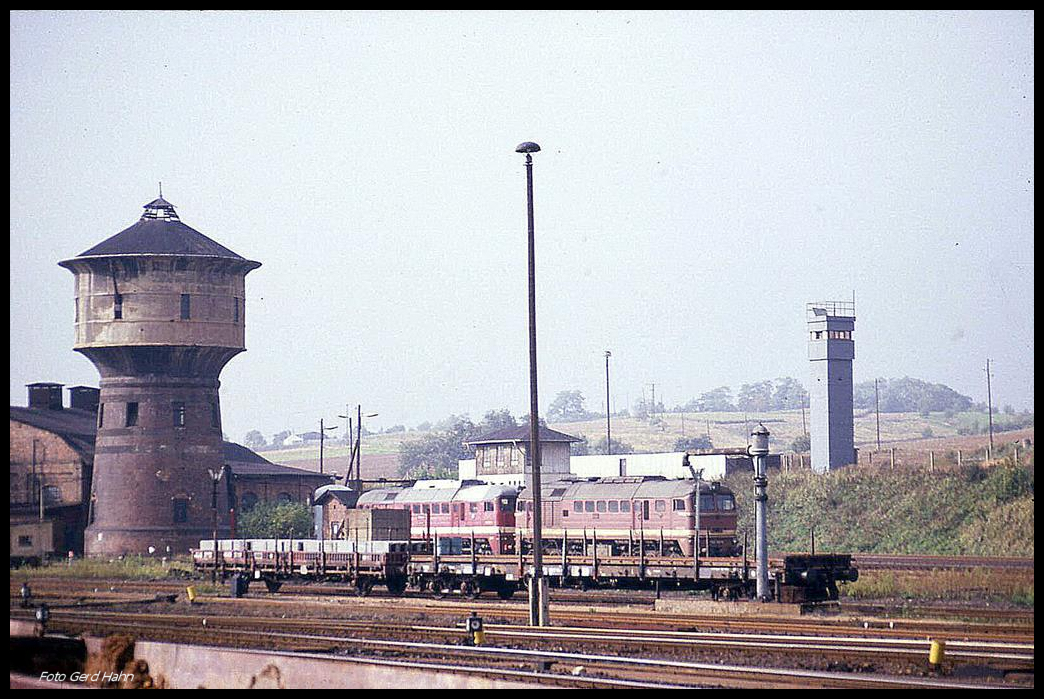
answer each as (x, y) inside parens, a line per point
(877, 403)
(322, 438)
(989, 403)
(608, 410)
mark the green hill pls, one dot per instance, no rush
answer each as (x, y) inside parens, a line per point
(973, 510)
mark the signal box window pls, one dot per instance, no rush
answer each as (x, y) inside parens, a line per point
(679, 505)
(132, 415)
(117, 307)
(660, 506)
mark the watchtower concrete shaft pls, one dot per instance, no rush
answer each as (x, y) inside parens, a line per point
(160, 310)
(831, 351)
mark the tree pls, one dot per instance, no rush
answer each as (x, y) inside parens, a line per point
(581, 448)
(756, 397)
(497, 419)
(618, 447)
(687, 443)
(279, 437)
(568, 406)
(788, 394)
(435, 455)
(801, 444)
(270, 520)
(717, 401)
(254, 440)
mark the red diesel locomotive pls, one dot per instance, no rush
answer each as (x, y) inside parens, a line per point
(625, 514)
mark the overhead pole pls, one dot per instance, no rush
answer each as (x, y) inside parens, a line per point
(608, 410)
(538, 598)
(989, 404)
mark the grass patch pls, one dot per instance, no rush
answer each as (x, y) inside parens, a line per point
(1013, 587)
(127, 568)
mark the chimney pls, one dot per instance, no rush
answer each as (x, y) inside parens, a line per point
(84, 398)
(45, 396)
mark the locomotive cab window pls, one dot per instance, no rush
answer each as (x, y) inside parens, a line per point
(473, 507)
(707, 503)
(679, 505)
(726, 503)
(487, 507)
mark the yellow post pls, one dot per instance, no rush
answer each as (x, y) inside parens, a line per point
(936, 652)
(191, 591)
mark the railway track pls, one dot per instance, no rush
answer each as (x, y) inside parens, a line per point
(626, 657)
(870, 561)
(1015, 626)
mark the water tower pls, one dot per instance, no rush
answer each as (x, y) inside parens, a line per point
(160, 310)
(831, 351)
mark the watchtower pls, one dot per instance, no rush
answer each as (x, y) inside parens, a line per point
(160, 310)
(831, 351)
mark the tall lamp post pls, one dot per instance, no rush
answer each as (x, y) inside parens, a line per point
(322, 438)
(608, 410)
(214, 478)
(759, 449)
(538, 603)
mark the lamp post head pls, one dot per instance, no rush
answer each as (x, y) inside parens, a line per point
(759, 445)
(527, 147)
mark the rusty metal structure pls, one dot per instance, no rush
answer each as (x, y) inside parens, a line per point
(160, 310)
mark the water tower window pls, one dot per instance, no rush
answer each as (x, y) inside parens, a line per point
(178, 411)
(186, 306)
(101, 414)
(235, 310)
(117, 307)
(180, 510)
(132, 415)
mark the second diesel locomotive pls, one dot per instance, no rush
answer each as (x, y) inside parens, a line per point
(625, 515)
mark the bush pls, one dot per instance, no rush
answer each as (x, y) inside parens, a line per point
(271, 520)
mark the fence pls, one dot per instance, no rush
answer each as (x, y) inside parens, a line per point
(932, 460)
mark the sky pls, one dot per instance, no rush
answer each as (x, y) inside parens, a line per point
(703, 176)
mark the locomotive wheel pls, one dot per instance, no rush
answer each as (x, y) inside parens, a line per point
(396, 586)
(438, 589)
(506, 592)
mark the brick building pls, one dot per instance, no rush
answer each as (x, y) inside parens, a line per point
(52, 462)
